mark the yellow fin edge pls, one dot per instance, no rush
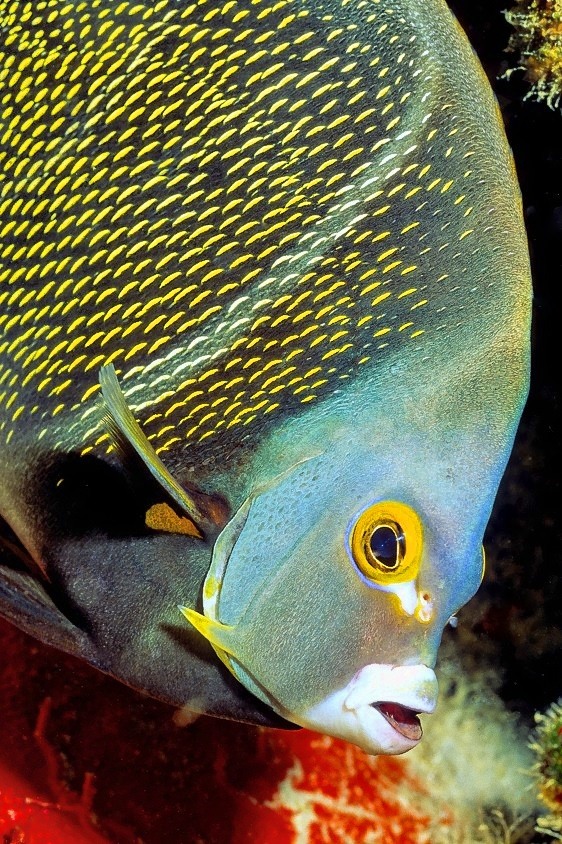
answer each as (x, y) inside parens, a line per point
(219, 635)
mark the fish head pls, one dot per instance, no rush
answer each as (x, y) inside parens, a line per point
(331, 585)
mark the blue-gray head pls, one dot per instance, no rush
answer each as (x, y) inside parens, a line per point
(331, 585)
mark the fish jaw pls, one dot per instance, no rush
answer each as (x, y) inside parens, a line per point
(377, 710)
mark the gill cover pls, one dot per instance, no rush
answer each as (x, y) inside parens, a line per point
(385, 544)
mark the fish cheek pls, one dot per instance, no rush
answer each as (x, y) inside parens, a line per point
(315, 625)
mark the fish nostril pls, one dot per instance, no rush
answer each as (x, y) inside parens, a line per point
(424, 608)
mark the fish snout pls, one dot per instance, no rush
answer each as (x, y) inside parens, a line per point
(378, 709)
(415, 685)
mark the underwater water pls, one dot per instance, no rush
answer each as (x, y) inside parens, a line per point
(85, 759)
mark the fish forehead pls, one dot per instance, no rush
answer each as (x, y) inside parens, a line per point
(240, 207)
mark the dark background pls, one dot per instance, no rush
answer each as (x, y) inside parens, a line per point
(515, 620)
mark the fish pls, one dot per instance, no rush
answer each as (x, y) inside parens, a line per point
(264, 345)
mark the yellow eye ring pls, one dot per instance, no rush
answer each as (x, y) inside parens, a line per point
(387, 542)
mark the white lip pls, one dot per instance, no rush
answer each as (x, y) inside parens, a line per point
(350, 712)
(415, 684)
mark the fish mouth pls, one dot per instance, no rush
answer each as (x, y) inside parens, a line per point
(378, 709)
(401, 718)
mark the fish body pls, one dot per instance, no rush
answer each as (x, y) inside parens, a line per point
(290, 237)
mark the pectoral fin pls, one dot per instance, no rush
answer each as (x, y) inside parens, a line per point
(127, 436)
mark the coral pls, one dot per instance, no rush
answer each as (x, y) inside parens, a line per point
(547, 746)
(538, 39)
(156, 782)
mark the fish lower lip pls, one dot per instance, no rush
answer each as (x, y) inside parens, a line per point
(405, 721)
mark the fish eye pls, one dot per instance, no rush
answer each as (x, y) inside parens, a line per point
(387, 545)
(387, 541)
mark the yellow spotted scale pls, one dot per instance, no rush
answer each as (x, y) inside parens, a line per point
(264, 318)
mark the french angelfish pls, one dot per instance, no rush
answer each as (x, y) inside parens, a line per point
(287, 240)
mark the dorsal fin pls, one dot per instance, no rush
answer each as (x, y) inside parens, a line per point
(127, 435)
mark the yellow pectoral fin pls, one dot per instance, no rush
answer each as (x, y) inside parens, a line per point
(221, 636)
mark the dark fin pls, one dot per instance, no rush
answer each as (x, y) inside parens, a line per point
(25, 602)
(127, 436)
(21, 555)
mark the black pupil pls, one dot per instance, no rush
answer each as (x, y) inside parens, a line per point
(387, 546)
